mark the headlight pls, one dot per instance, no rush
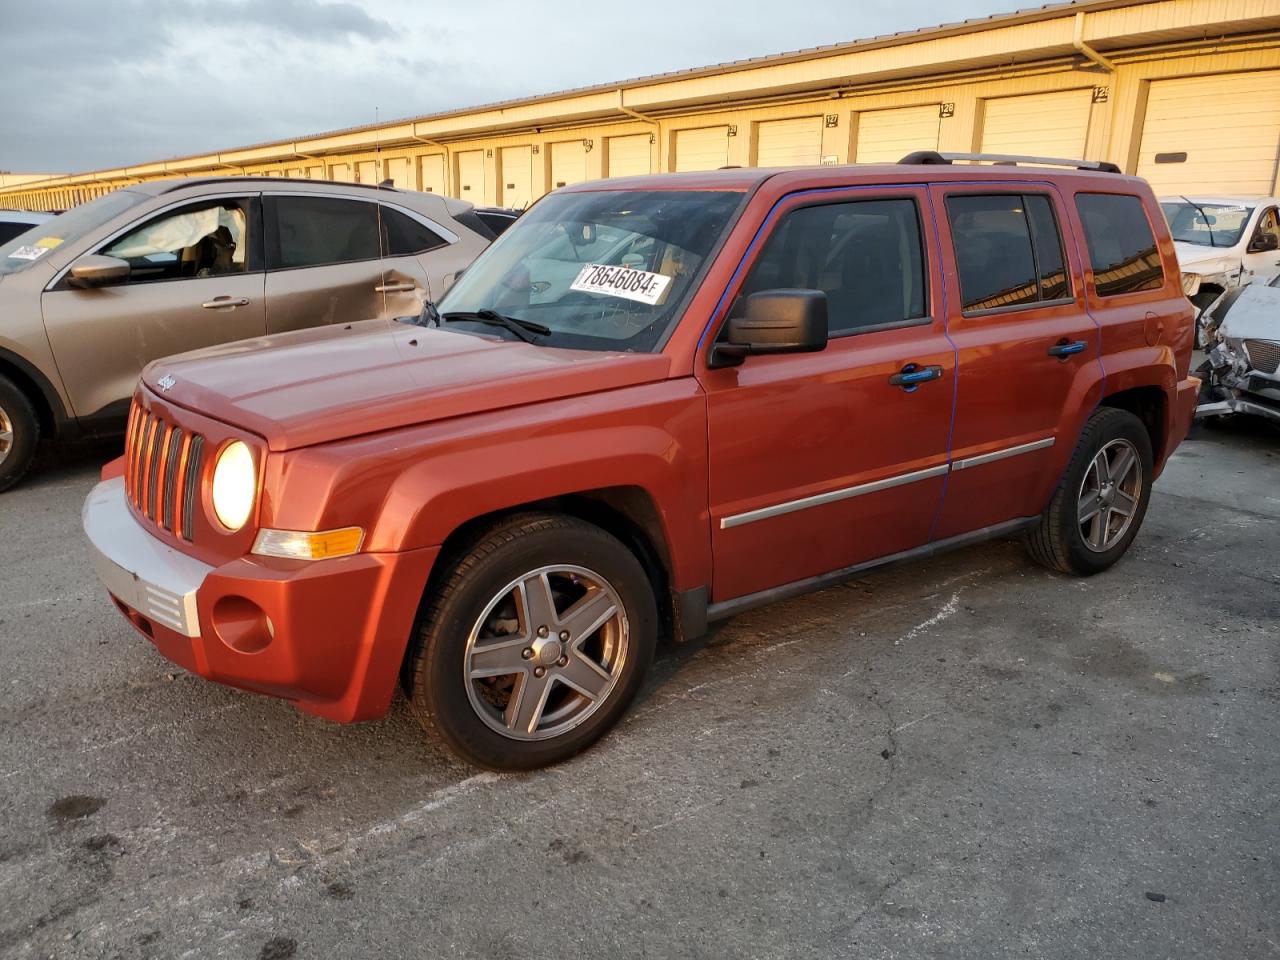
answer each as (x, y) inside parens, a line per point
(235, 482)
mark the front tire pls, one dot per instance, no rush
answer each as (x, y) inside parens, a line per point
(1099, 505)
(19, 434)
(534, 643)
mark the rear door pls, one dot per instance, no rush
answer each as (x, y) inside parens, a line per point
(1027, 349)
(196, 280)
(820, 461)
(326, 262)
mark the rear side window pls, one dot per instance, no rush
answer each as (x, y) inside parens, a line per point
(1008, 251)
(315, 231)
(866, 256)
(404, 236)
(1122, 248)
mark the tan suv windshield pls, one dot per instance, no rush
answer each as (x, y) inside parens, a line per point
(26, 248)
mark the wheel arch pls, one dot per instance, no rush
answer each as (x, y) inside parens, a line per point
(37, 388)
(1150, 404)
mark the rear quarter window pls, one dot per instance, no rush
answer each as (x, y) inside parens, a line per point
(1122, 248)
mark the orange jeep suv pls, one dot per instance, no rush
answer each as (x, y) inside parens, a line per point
(651, 404)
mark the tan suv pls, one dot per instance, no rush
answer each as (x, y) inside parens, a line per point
(89, 298)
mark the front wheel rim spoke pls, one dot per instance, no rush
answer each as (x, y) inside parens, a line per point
(1124, 504)
(1125, 461)
(498, 659)
(1089, 508)
(588, 615)
(528, 701)
(1098, 529)
(585, 676)
(536, 603)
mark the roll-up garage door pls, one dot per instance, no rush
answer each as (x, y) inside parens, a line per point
(1040, 125)
(568, 163)
(471, 175)
(886, 136)
(432, 169)
(400, 170)
(341, 172)
(1212, 134)
(367, 172)
(706, 148)
(789, 143)
(628, 156)
(516, 177)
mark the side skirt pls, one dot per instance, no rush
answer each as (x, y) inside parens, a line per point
(731, 608)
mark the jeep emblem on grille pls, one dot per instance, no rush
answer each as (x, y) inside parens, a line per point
(165, 382)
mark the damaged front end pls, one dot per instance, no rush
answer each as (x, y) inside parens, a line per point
(1242, 372)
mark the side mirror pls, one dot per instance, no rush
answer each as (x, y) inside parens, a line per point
(1264, 243)
(775, 321)
(95, 270)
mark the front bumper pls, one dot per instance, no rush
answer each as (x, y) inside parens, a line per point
(328, 635)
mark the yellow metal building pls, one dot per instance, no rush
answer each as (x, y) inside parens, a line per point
(1183, 92)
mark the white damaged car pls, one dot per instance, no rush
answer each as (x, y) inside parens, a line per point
(1242, 373)
(1223, 243)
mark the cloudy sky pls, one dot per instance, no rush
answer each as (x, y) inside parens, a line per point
(92, 84)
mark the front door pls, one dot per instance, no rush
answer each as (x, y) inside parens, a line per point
(1027, 348)
(196, 280)
(821, 461)
(1262, 252)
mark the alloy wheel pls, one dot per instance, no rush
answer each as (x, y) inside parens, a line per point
(6, 435)
(1109, 495)
(546, 652)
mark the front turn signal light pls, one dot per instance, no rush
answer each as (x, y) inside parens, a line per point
(301, 545)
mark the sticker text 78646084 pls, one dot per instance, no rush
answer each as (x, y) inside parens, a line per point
(625, 282)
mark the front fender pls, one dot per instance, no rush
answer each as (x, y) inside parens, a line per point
(412, 488)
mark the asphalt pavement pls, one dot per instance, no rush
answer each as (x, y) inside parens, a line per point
(965, 758)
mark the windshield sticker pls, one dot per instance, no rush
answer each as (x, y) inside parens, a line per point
(625, 282)
(48, 242)
(28, 253)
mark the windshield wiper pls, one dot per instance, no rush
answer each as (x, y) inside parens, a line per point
(1205, 217)
(521, 328)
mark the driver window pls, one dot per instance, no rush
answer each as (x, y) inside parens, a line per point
(866, 256)
(206, 241)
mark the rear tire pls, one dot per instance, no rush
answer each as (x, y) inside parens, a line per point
(533, 644)
(19, 433)
(1101, 500)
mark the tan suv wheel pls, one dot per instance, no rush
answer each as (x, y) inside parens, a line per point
(534, 644)
(1098, 507)
(19, 433)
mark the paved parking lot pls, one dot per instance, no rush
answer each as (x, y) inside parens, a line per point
(969, 758)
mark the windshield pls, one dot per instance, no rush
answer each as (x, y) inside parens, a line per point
(1219, 225)
(26, 248)
(602, 270)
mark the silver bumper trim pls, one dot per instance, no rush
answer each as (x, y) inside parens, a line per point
(147, 575)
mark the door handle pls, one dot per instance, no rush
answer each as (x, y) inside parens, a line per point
(1065, 348)
(912, 375)
(225, 303)
(403, 287)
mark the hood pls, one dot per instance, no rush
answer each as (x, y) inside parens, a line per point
(329, 383)
(1206, 261)
(1255, 315)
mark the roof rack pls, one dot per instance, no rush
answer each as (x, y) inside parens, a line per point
(1009, 159)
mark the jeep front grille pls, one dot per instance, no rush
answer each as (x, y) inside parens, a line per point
(162, 471)
(1264, 355)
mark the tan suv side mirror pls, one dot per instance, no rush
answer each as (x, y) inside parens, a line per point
(95, 270)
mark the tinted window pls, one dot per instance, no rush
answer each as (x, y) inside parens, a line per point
(205, 240)
(1008, 250)
(1121, 247)
(403, 235)
(313, 231)
(496, 222)
(9, 230)
(1047, 243)
(866, 256)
